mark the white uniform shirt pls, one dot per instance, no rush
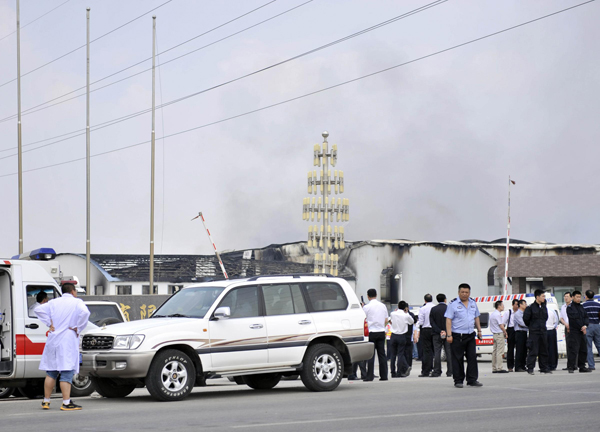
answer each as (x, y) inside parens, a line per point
(400, 321)
(424, 316)
(376, 315)
(61, 352)
(563, 313)
(552, 322)
(495, 321)
(32, 309)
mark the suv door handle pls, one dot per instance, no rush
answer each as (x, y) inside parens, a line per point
(256, 326)
(32, 326)
(304, 322)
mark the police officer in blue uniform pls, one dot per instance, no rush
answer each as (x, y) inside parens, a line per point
(462, 316)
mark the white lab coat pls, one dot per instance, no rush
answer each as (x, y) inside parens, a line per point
(61, 352)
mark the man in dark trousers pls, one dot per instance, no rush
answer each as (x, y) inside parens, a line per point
(377, 319)
(424, 333)
(535, 317)
(462, 316)
(577, 340)
(520, 338)
(438, 325)
(510, 330)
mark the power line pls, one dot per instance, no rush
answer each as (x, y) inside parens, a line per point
(83, 46)
(33, 109)
(361, 32)
(31, 22)
(316, 91)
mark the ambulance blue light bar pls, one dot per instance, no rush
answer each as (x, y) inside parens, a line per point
(41, 254)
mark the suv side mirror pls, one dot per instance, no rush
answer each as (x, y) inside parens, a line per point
(222, 313)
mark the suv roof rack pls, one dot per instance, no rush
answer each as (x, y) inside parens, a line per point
(294, 275)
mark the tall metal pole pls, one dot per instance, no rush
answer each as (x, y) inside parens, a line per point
(87, 159)
(507, 242)
(20, 149)
(152, 162)
(325, 186)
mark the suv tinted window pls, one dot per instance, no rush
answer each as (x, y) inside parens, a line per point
(283, 299)
(326, 297)
(243, 302)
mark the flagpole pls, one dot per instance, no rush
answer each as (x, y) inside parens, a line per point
(507, 242)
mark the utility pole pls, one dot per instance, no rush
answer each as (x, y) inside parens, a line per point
(87, 158)
(507, 240)
(151, 289)
(19, 146)
(324, 238)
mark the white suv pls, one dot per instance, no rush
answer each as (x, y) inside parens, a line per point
(255, 330)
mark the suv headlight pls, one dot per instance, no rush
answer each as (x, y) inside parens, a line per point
(128, 342)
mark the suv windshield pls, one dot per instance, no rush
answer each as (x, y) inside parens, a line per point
(189, 302)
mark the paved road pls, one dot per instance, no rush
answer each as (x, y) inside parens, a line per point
(513, 402)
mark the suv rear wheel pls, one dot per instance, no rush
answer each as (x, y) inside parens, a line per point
(171, 376)
(323, 368)
(112, 388)
(262, 381)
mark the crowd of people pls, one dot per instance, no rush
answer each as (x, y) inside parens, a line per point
(528, 330)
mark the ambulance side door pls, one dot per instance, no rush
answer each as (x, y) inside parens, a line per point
(31, 344)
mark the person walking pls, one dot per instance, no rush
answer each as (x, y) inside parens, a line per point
(535, 317)
(377, 318)
(66, 317)
(577, 342)
(592, 309)
(438, 326)
(520, 338)
(551, 326)
(564, 319)
(509, 323)
(400, 320)
(462, 316)
(424, 333)
(499, 332)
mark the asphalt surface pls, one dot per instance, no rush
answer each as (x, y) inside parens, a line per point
(513, 402)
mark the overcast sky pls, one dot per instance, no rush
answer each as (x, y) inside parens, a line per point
(426, 148)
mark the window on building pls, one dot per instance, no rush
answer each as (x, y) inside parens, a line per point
(174, 288)
(326, 297)
(146, 289)
(123, 289)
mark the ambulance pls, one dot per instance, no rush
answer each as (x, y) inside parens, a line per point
(22, 334)
(486, 307)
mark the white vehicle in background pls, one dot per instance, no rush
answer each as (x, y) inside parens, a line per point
(22, 335)
(486, 307)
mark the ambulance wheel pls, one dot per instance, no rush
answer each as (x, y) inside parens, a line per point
(323, 368)
(6, 392)
(112, 388)
(32, 391)
(81, 386)
(171, 376)
(262, 381)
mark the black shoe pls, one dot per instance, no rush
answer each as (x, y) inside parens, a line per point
(423, 376)
(592, 368)
(407, 373)
(394, 375)
(494, 371)
(402, 376)
(565, 368)
(475, 384)
(383, 379)
(367, 379)
(70, 407)
(458, 385)
(520, 370)
(449, 375)
(352, 378)
(502, 371)
(531, 372)
(435, 375)
(584, 370)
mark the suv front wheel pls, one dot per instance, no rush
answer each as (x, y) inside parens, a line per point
(323, 368)
(171, 376)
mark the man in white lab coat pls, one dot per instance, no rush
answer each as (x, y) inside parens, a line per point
(66, 317)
